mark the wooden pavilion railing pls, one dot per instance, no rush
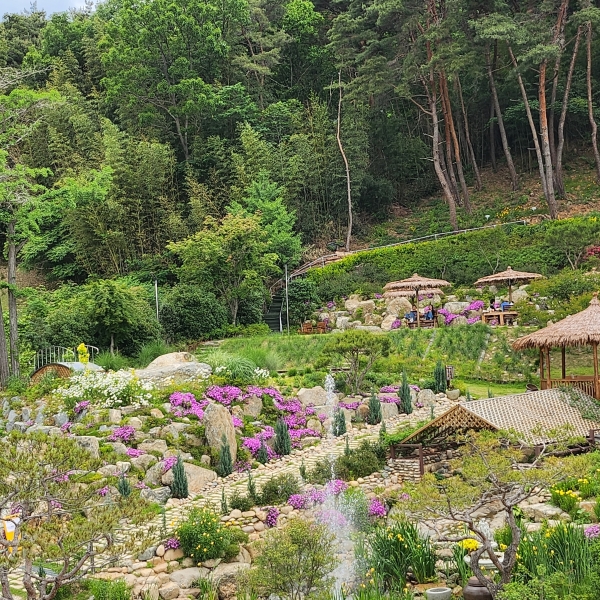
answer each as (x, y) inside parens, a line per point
(587, 384)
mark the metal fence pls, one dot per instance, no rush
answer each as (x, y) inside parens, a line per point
(54, 354)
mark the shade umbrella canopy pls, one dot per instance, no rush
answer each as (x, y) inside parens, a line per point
(580, 329)
(414, 284)
(509, 276)
(409, 293)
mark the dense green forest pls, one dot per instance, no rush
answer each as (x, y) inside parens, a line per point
(207, 144)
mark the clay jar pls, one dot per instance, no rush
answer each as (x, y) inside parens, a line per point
(474, 590)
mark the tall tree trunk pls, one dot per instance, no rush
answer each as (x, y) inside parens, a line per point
(534, 133)
(448, 144)
(551, 134)
(590, 101)
(432, 94)
(509, 161)
(545, 138)
(468, 135)
(346, 165)
(493, 111)
(560, 184)
(13, 330)
(4, 365)
(456, 146)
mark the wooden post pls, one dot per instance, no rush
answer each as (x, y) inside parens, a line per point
(548, 374)
(541, 368)
(564, 369)
(418, 316)
(421, 461)
(596, 390)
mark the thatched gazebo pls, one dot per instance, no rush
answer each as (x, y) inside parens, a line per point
(412, 286)
(581, 329)
(509, 276)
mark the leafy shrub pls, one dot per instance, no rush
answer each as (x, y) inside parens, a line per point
(279, 488)
(262, 357)
(360, 462)
(238, 501)
(295, 562)
(564, 497)
(148, 352)
(111, 362)
(190, 313)
(108, 590)
(303, 300)
(236, 537)
(252, 330)
(202, 536)
(374, 416)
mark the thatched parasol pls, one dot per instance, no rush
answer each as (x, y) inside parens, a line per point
(580, 329)
(509, 276)
(414, 285)
(409, 293)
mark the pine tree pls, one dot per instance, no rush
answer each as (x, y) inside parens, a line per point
(124, 486)
(303, 470)
(339, 423)
(382, 433)
(439, 377)
(251, 488)
(262, 455)
(374, 415)
(225, 466)
(405, 397)
(179, 487)
(469, 396)
(347, 448)
(283, 441)
(224, 507)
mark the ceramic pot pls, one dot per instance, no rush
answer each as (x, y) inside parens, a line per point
(474, 590)
(438, 593)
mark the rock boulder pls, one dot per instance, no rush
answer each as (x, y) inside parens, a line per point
(197, 477)
(316, 396)
(217, 423)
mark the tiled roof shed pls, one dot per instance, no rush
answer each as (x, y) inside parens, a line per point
(529, 414)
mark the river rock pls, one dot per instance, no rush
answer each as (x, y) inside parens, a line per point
(144, 462)
(154, 474)
(453, 394)
(185, 578)
(342, 323)
(389, 410)
(352, 303)
(316, 396)
(197, 477)
(217, 423)
(153, 446)
(367, 306)
(159, 495)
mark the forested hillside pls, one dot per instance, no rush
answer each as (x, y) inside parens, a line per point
(207, 144)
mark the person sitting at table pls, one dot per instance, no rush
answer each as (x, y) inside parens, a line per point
(492, 304)
(411, 316)
(505, 305)
(428, 314)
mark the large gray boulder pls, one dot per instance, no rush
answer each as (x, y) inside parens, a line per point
(159, 495)
(316, 396)
(253, 406)
(177, 367)
(185, 578)
(456, 307)
(426, 397)
(218, 423)
(388, 321)
(398, 306)
(90, 443)
(197, 477)
(389, 410)
(153, 446)
(352, 303)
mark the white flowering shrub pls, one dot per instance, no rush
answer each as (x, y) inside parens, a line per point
(106, 390)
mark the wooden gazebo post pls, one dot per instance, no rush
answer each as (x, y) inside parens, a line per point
(542, 368)
(548, 374)
(596, 387)
(563, 357)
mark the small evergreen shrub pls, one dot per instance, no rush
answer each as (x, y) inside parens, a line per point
(237, 501)
(123, 486)
(283, 441)
(339, 423)
(224, 507)
(262, 456)
(404, 395)
(179, 487)
(439, 377)
(374, 416)
(225, 466)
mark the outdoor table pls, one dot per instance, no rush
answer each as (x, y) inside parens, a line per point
(504, 317)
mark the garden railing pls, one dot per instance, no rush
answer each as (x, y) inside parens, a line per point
(57, 354)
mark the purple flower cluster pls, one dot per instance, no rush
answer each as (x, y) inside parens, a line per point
(237, 422)
(322, 417)
(335, 487)
(416, 388)
(185, 403)
(242, 466)
(253, 443)
(81, 406)
(298, 501)
(103, 491)
(134, 452)
(378, 296)
(168, 463)
(331, 304)
(61, 477)
(66, 428)
(172, 544)
(224, 394)
(140, 485)
(592, 532)
(55, 504)
(396, 324)
(314, 496)
(349, 405)
(377, 508)
(332, 517)
(272, 516)
(476, 305)
(389, 389)
(390, 399)
(122, 434)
